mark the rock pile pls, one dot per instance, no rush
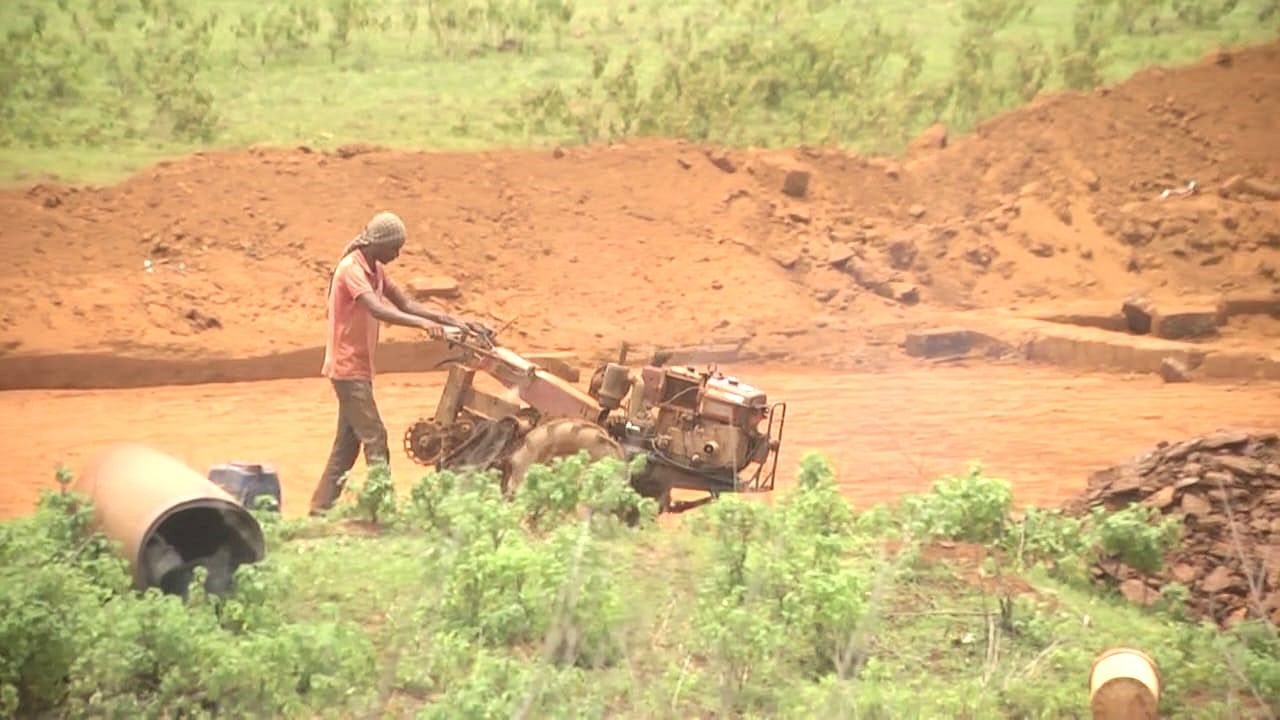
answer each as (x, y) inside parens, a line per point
(1226, 489)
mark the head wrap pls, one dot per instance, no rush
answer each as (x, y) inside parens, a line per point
(385, 228)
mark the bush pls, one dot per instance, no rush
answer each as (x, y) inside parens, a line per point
(55, 577)
(507, 584)
(75, 637)
(133, 73)
(466, 603)
(1136, 536)
(550, 495)
(782, 586)
(971, 507)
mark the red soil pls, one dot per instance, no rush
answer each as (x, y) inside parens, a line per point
(663, 242)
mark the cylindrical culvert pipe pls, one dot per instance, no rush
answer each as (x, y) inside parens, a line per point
(169, 519)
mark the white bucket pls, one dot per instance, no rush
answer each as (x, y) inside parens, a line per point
(1124, 684)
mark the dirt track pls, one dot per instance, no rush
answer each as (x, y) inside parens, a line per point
(888, 433)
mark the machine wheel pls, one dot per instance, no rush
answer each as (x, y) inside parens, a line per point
(559, 438)
(426, 441)
(487, 445)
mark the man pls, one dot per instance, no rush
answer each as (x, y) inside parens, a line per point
(359, 292)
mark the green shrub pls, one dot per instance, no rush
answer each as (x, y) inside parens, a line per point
(474, 605)
(1135, 536)
(75, 636)
(375, 499)
(508, 585)
(138, 76)
(549, 495)
(971, 507)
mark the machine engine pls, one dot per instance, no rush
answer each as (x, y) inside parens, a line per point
(704, 425)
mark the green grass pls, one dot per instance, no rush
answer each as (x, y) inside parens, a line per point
(76, 105)
(457, 603)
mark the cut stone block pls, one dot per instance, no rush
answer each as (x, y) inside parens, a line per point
(1188, 322)
(940, 342)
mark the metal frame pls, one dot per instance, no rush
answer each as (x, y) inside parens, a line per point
(535, 384)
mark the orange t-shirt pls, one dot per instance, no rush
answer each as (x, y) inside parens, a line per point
(353, 331)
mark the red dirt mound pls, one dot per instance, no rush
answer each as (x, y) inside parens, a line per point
(1225, 488)
(800, 252)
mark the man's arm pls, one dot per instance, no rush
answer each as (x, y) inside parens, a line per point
(411, 307)
(389, 314)
(354, 281)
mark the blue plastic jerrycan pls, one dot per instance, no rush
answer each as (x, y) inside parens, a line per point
(246, 482)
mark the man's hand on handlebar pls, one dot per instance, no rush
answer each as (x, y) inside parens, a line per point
(454, 329)
(476, 328)
(468, 326)
(434, 330)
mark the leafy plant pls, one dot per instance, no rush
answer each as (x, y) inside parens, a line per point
(55, 574)
(1137, 535)
(376, 497)
(75, 637)
(982, 84)
(1047, 536)
(971, 507)
(1173, 599)
(349, 17)
(462, 607)
(278, 29)
(783, 586)
(426, 496)
(1084, 56)
(173, 64)
(551, 494)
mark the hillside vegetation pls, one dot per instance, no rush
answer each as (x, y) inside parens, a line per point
(453, 602)
(94, 88)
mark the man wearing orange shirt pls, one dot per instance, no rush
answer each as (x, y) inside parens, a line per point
(360, 297)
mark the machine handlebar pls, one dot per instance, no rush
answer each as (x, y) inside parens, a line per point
(471, 331)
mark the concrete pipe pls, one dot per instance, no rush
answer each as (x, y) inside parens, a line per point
(168, 519)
